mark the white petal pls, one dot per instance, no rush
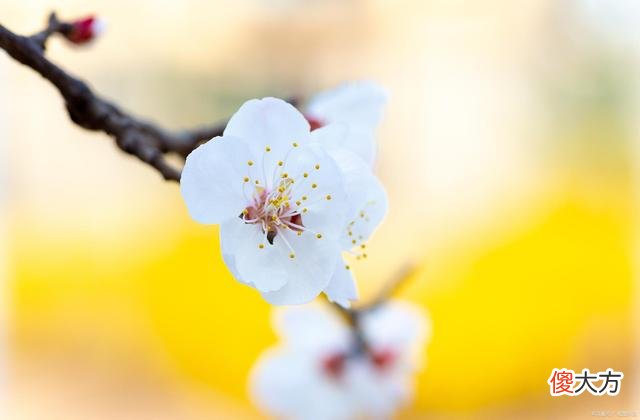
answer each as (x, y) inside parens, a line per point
(261, 267)
(368, 202)
(322, 192)
(354, 138)
(355, 103)
(282, 381)
(396, 324)
(331, 136)
(268, 122)
(288, 384)
(227, 247)
(342, 287)
(377, 395)
(308, 273)
(212, 180)
(312, 328)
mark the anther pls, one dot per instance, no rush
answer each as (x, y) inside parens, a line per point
(280, 163)
(294, 144)
(292, 255)
(261, 246)
(250, 163)
(267, 149)
(246, 179)
(314, 185)
(328, 197)
(318, 235)
(317, 166)
(346, 267)
(305, 175)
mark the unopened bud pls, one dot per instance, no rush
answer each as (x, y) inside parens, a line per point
(84, 30)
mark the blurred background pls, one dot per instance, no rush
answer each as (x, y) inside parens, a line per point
(509, 150)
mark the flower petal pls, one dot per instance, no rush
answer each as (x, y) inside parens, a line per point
(342, 287)
(268, 122)
(367, 198)
(359, 105)
(319, 188)
(212, 181)
(366, 220)
(354, 103)
(308, 273)
(260, 267)
(312, 328)
(357, 139)
(396, 324)
(288, 384)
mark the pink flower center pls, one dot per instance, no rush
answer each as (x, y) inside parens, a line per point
(334, 364)
(272, 211)
(383, 359)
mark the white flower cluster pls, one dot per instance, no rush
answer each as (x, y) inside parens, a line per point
(321, 372)
(291, 200)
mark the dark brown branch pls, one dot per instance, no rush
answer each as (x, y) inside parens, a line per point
(143, 139)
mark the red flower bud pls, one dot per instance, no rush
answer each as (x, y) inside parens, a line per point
(84, 30)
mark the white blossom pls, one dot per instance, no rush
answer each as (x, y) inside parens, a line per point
(319, 372)
(279, 197)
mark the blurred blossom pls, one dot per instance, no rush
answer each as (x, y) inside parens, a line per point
(324, 371)
(616, 21)
(358, 105)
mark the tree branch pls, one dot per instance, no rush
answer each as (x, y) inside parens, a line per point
(143, 139)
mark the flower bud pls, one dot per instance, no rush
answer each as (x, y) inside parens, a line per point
(84, 30)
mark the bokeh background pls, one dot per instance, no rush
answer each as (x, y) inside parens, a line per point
(508, 149)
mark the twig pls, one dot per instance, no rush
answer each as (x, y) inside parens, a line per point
(391, 287)
(145, 140)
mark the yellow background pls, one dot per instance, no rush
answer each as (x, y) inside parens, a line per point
(507, 150)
